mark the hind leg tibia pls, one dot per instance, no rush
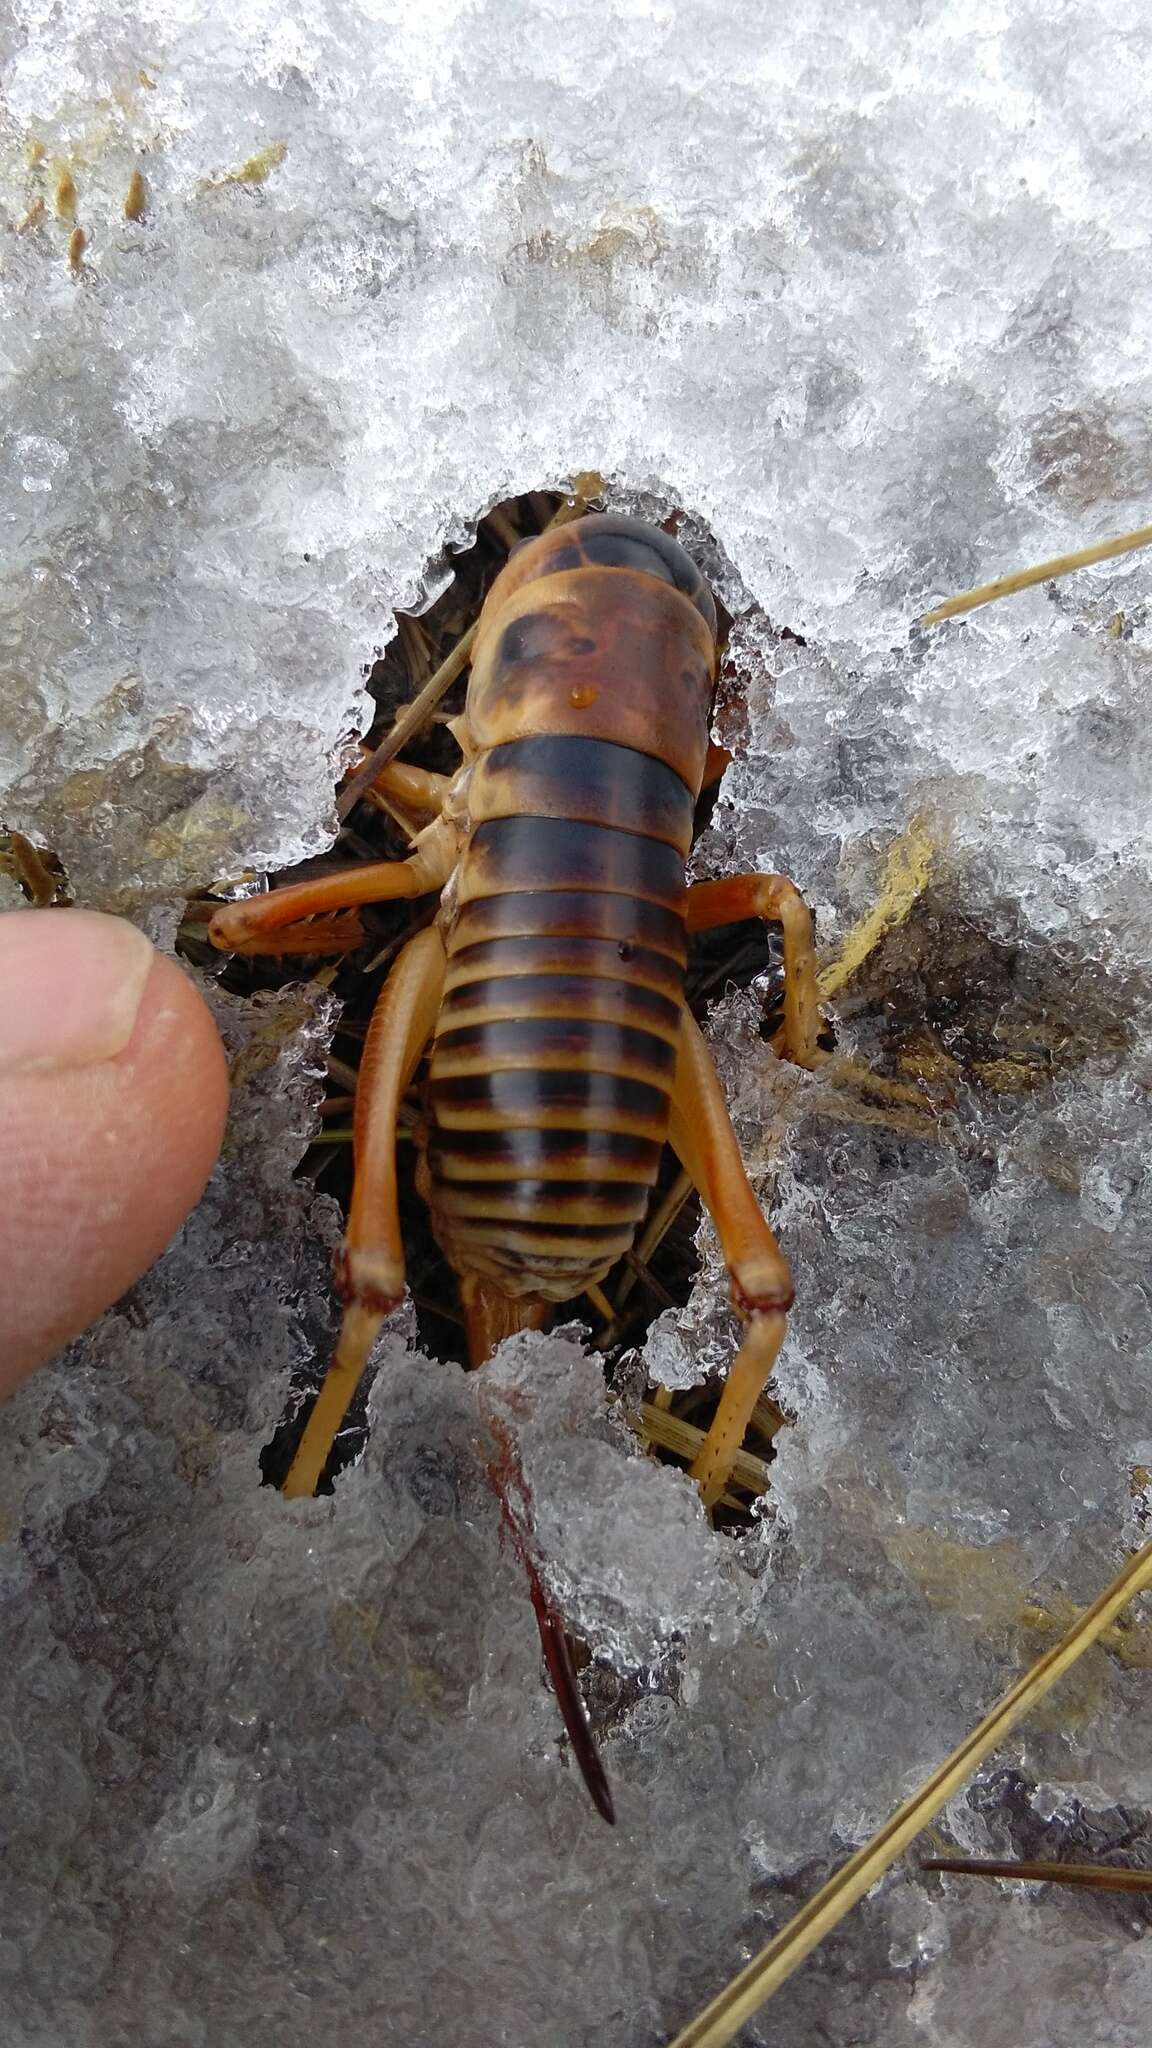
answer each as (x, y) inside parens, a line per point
(702, 1137)
(371, 1264)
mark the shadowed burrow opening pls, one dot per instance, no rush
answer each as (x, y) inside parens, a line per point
(370, 939)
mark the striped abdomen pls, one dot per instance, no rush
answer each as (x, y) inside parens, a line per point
(551, 1072)
(555, 1051)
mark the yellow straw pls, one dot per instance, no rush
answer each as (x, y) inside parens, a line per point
(1023, 579)
(722, 2020)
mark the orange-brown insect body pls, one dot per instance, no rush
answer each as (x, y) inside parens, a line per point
(585, 734)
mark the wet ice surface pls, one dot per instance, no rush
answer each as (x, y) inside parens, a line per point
(871, 300)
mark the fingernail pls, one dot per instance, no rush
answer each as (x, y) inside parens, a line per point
(70, 988)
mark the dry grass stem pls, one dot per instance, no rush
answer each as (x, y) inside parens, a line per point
(1023, 579)
(722, 2020)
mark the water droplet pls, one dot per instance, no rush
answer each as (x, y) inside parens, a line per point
(582, 695)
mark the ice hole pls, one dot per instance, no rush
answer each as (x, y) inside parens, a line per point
(729, 959)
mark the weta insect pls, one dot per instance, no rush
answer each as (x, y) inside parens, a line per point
(550, 987)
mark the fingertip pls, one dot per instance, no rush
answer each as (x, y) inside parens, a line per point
(113, 1097)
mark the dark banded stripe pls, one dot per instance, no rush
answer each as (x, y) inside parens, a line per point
(543, 1153)
(585, 781)
(561, 995)
(511, 854)
(615, 1203)
(527, 1091)
(636, 967)
(454, 1117)
(543, 914)
(590, 1044)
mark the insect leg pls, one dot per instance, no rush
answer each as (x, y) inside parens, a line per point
(702, 1137)
(413, 796)
(716, 761)
(370, 1268)
(428, 868)
(774, 897)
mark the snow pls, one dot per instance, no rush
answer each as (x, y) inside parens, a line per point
(867, 295)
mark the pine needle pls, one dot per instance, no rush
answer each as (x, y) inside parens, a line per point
(1105, 1877)
(722, 2020)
